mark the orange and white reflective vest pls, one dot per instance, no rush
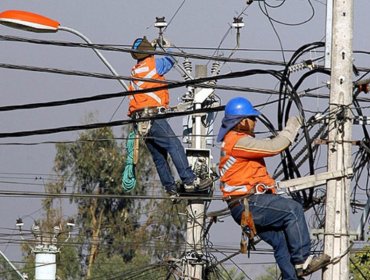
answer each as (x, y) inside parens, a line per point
(242, 166)
(147, 69)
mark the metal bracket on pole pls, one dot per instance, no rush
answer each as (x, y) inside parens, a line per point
(319, 234)
(310, 181)
(202, 95)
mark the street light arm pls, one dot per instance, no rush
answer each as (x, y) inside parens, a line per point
(38, 23)
(98, 53)
(11, 265)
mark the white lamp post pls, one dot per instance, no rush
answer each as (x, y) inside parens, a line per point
(37, 23)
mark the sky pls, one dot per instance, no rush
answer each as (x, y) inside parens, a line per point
(200, 24)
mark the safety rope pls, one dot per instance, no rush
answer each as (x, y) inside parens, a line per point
(128, 174)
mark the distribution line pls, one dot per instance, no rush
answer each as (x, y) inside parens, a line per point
(128, 50)
(100, 196)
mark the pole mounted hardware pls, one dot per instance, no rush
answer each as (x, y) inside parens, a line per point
(238, 24)
(311, 181)
(161, 24)
(45, 247)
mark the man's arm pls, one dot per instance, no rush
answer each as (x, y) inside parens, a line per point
(250, 147)
(164, 64)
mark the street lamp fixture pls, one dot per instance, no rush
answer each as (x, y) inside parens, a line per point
(28, 21)
(37, 23)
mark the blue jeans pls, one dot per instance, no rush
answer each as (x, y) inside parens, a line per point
(162, 141)
(280, 222)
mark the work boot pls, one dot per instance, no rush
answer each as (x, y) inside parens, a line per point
(312, 264)
(198, 185)
(173, 196)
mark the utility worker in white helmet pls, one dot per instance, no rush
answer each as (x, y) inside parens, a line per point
(159, 136)
(277, 220)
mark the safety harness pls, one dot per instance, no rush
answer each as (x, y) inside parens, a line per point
(247, 225)
(141, 129)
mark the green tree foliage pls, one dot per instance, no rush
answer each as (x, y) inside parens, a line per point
(231, 274)
(272, 273)
(112, 235)
(360, 264)
(139, 268)
(7, 271)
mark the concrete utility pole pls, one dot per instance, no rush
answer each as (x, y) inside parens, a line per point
(328, 33)
(336, 236)
(195, 209)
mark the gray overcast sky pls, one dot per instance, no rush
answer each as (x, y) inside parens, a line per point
(196, 24)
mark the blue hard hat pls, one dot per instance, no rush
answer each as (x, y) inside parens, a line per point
(236, 109)
(240, 106)
(137, 43)
(142, 44)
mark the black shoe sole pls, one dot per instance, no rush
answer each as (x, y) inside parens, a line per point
(313, 269)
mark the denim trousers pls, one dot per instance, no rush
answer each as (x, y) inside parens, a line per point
(280, 222)
(161, 142)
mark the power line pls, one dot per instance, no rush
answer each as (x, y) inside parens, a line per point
(127, 49)
(99, 196)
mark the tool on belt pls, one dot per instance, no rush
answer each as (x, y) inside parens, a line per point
(143, 127)
(248, 229)
(246, 223)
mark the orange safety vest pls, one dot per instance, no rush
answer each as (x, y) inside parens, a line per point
(240, 173)
(146, 69)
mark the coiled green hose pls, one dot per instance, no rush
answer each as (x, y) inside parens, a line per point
(128, 174)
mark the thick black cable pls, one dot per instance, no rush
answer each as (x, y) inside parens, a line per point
(129, 50)
(104, 124)
(200, 82)
(283, 89)
(285, 82)
(307, 200)
(122, 94)
(265, 12)
(359, 112)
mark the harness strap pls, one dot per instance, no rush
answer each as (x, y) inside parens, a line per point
(143, 128)
(148, 112)
(136, 150)
(259, 188)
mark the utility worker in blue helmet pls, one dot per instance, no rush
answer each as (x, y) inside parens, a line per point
(245, 183)
(159, 136)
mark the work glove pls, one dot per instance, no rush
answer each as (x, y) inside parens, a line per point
(291, 129)
(154, 43)
(164, 42)
(296, 121)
